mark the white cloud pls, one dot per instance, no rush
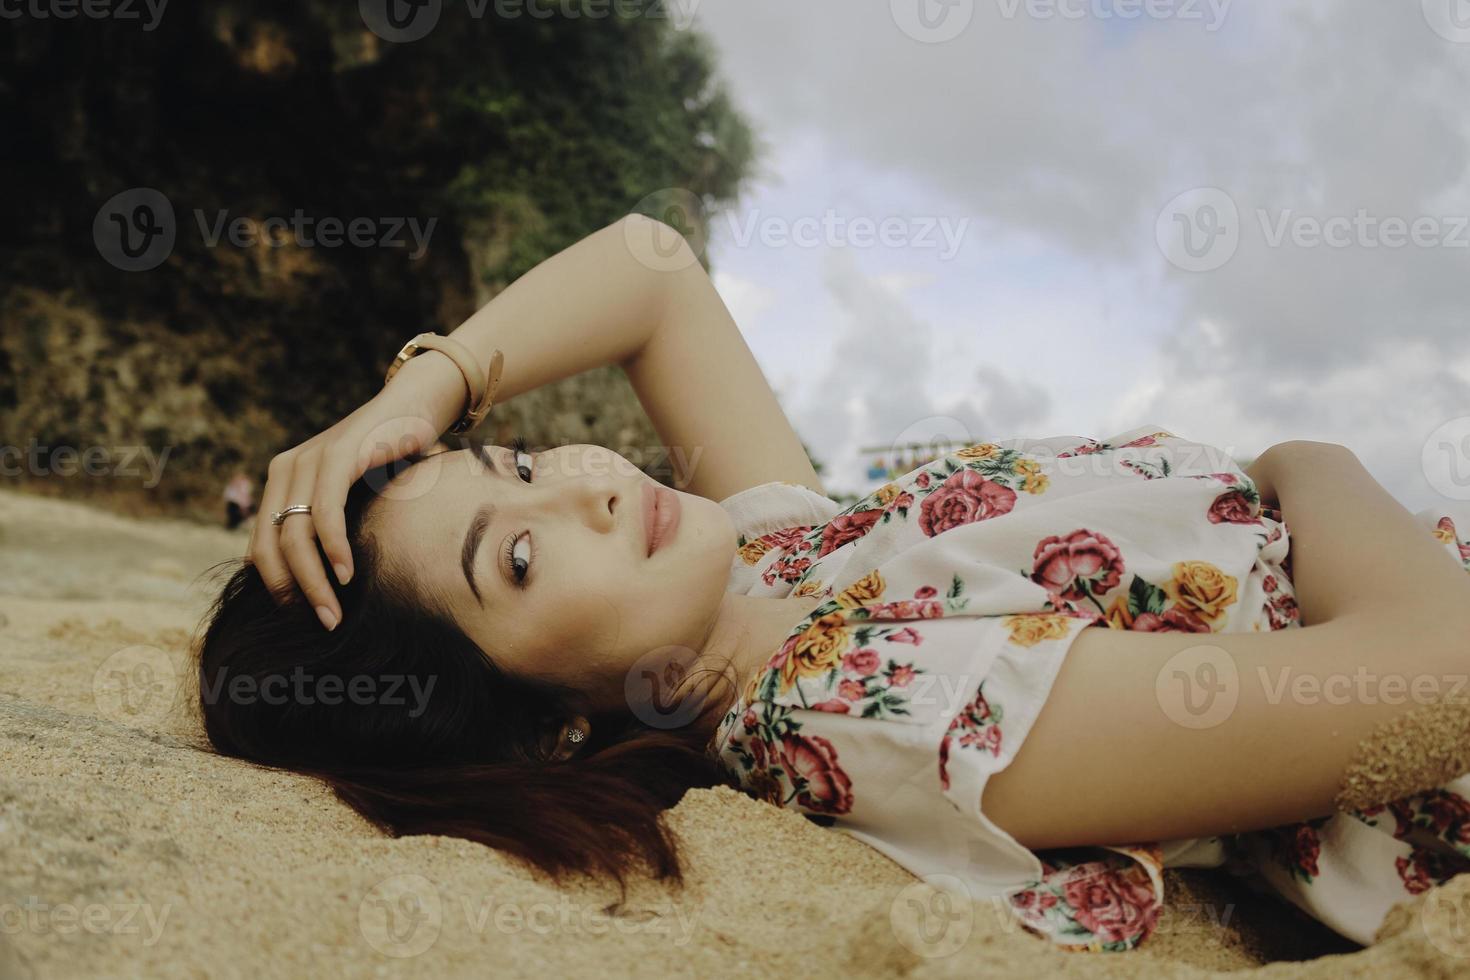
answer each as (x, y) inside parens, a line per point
(1061, 140)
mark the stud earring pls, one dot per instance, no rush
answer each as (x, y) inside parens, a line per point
(576, 735)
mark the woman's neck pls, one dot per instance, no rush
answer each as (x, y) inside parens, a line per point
(746, 633)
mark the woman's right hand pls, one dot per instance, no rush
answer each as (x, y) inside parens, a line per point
(406, 416)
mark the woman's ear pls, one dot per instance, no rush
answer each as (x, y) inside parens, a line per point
(569, 739)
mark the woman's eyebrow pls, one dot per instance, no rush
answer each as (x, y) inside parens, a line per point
(478, 525)
(472, 538)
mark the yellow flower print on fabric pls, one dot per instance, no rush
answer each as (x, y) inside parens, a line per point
(1117, 615)
(815, 650)
(1032, 479)
(984, 450)
(1203, 589)
(1029, 629)
(863, 591)
(751, 553)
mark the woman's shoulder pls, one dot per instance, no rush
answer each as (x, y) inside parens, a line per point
(777, 505)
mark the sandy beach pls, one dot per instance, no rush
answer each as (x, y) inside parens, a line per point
(128, 849)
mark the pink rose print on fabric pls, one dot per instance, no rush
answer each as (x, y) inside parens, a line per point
(812, 764)
(977, 726)
(903, 502)
(1423, 869)
(1448, 814)
(1117, 905)
(1232, 507)
(906, 609)
(964, 498)
(905, 635)
(1079, 565)
(861, 662)
(1033, 900)
(1086, 449)
(1174, 619)
(787, 569)
(1297, 847)
(786, 537)
(834, 705)
(845, 528)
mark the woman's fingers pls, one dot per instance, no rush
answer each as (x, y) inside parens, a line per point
(298, 543)
(338, 470)
(265, 546)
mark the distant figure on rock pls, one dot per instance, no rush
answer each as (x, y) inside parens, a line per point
(239, 500)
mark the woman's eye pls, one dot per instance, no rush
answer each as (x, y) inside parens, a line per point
(523, 469)
(520, 557)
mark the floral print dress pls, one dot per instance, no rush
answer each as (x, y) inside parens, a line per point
(951, 596)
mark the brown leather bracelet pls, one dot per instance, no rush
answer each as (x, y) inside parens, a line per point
(481, 388)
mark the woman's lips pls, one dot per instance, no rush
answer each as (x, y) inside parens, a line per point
(660, 515)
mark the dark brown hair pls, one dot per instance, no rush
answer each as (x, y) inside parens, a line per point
(434, 738)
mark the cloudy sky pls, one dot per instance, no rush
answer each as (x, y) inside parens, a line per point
(1244, 222)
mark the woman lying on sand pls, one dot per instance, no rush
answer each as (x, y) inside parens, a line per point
(1039, 670)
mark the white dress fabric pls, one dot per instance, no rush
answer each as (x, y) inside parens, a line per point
(952, 595)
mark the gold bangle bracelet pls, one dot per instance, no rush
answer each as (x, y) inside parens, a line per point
(481, 388)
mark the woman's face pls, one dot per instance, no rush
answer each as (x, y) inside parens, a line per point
(593, 601)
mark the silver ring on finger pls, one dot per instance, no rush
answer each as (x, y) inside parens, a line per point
(278, 516)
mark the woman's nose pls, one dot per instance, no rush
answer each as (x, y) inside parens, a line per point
(594, 500)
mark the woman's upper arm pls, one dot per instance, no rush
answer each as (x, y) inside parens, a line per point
(708, 399)
(1163, 735)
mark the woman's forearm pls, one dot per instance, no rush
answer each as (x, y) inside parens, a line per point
(591, 304)
(1353, 547)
